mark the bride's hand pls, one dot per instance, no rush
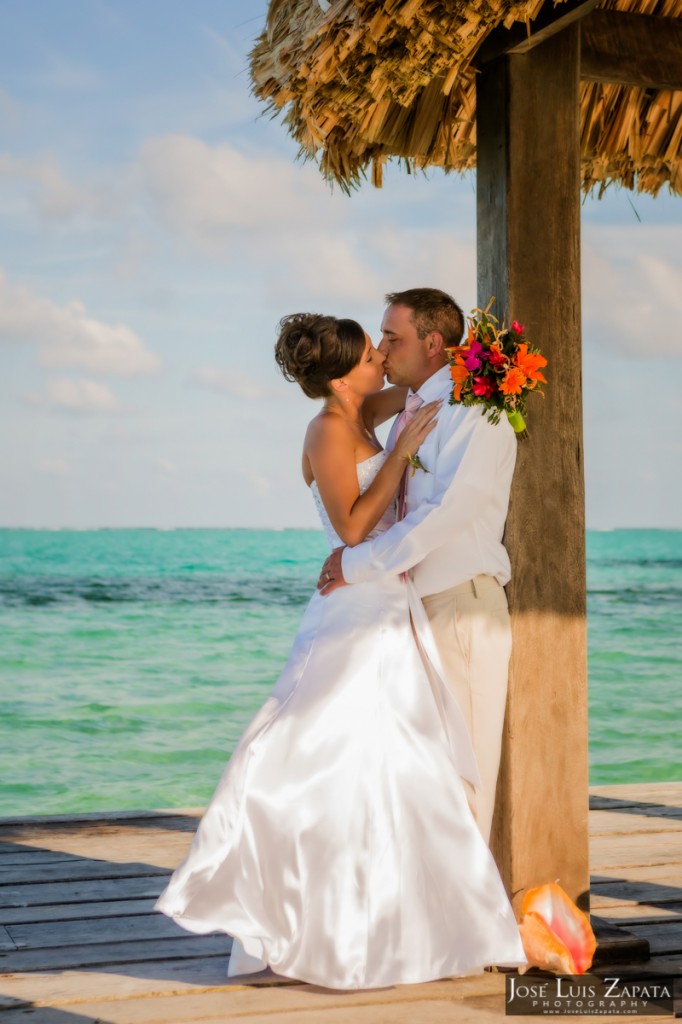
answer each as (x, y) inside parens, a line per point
(418, 428)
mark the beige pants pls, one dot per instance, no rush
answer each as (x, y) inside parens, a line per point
(471, 627)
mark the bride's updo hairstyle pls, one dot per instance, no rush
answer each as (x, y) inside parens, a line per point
(314, 350)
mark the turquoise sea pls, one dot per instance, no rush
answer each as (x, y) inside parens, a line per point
(131, 660)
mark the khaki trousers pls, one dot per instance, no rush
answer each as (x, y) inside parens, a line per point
(471, 627)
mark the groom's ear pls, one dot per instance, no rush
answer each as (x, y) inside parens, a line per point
(435, 343)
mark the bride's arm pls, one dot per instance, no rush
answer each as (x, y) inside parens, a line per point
(382, 405)
(330, 449)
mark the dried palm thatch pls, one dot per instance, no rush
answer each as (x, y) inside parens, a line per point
(361, 81)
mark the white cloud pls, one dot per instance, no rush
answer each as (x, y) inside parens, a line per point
(64, 75)
(167, 466)
(261, 485)
(67, 336)
(209, 192)
(348, 272)
(9, 108)
(55, 467)
(135, 253)
(303, 242)
(229, 382)
(632, 289)
(55, 196)
(66, 394)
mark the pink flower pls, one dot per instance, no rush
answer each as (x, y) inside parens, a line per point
(516, 326)
(473, 359)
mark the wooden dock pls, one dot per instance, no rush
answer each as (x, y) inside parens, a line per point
(79, 942)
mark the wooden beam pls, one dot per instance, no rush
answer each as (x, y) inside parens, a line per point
(528, 211)
(520, 38)
(640, 50)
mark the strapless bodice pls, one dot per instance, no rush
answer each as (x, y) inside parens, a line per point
(367, 470)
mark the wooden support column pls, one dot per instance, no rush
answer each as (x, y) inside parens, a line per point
(528, 198)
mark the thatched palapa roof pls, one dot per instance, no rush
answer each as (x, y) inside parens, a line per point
(361, 81)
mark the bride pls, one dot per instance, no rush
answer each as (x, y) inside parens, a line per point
(338, 847)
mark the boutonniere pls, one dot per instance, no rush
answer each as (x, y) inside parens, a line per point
(496, 367)
(416, 464)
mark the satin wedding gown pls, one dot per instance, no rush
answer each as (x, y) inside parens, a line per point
(338, 847)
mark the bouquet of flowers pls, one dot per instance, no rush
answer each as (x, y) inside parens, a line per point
(496, 367)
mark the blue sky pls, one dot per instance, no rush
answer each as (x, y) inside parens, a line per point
(155, 227)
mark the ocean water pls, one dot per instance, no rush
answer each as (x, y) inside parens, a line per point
(131, 660)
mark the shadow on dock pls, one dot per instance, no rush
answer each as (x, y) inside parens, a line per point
(80, 941)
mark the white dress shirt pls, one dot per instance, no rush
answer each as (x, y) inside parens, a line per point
(455, 513)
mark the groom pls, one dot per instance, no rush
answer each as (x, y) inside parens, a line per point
(450, 538)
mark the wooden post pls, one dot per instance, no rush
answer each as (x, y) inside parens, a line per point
(528, 198)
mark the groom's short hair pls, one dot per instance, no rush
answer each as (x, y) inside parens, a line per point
(432, 310)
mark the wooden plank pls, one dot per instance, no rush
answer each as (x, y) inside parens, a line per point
(113, 953)
(182, 816)
(176, 976)
(655, 793)
(609, 824)
(639, 50)
(663, 937)
(648, 814)
(41, 838)
(75, 911)
(6, 940)
(162, 858)
(78, 870)
(51, 934)
(162, 850)
(643, 912)
(669, 840)
(624, 854)
(668, 874)
(127, 980)
(520, 38)
(30, 857)
(528, 227)
(32, 894)
(642, 890)
(217, 1008)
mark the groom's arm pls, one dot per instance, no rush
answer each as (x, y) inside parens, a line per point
(466, 478)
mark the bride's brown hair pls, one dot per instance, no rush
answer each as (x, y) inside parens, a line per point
(313, 350)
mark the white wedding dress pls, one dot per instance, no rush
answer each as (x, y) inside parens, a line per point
(339, 848)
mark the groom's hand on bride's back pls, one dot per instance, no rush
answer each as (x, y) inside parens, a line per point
(331, 576)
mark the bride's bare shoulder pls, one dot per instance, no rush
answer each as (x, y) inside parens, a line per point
(327, 430)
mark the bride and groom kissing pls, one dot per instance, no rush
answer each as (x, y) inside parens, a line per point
(346, 842)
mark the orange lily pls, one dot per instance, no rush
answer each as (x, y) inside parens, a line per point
(459, 374)
(556, 935)
(530, 363)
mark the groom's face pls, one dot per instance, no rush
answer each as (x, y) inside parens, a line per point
(407, 362)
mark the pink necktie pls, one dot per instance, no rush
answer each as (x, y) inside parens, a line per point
(413, 403)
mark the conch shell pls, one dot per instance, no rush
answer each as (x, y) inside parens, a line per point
(556, 935)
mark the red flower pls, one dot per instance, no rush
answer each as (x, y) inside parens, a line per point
(496, 356)
(483, 387)
(516, 326)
